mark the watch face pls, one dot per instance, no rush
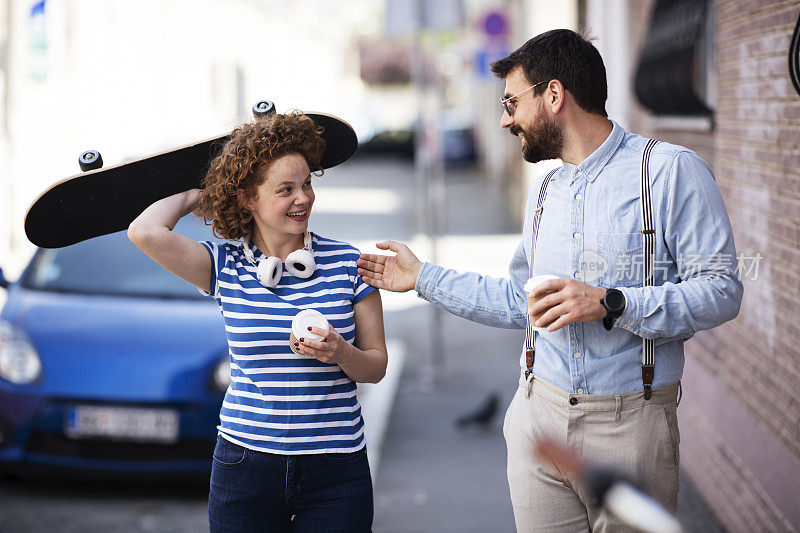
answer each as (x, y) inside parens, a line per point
(615, 300)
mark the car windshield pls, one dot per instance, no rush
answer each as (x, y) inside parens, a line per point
(112, 265)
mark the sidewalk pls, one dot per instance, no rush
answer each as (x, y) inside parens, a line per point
(431, 476)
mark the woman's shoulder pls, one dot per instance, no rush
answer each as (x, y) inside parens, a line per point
(325, 244)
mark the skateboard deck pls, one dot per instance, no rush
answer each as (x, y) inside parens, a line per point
(106, 200)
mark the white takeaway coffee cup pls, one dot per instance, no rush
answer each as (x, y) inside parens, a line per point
(301, 323)
(528, 287)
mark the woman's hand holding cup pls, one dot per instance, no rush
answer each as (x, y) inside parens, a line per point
(314, 336)
(329, 348)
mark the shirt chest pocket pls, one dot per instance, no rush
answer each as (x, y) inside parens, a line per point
(622, 253)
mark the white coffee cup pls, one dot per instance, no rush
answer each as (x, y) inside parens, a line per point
(528, 288)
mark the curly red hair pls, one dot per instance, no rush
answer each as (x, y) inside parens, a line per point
(237, 171)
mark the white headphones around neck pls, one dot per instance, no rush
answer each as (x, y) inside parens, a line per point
(299, 263)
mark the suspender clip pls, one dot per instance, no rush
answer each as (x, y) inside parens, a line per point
(528, 385)
(530, 356)
(648, 373)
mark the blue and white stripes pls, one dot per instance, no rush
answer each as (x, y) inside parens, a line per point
(279, 401)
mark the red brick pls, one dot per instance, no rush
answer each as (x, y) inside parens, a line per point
(754, 150)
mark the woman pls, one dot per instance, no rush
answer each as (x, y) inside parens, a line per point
(290, 454)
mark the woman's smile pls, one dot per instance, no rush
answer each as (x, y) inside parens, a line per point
(298, 216)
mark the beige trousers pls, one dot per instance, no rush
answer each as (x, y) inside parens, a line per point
(636, 437)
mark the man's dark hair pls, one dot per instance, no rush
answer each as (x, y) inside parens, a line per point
(565, 56)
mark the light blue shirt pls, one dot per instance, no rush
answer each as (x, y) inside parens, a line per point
(591, 231)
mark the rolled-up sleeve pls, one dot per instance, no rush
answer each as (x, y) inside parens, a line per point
(698, 236)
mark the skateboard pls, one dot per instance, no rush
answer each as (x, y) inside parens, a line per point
(100, 200)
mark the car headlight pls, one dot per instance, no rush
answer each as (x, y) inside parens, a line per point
(19, 362)
(222, 374)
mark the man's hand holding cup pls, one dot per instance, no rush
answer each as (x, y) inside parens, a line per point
(555, 302)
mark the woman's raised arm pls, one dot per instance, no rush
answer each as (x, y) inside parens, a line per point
(152, 233)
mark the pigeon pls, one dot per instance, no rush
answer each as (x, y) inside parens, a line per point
(483, 416)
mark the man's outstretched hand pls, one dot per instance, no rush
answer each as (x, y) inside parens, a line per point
(397, 273)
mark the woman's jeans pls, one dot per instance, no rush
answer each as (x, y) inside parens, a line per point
(257, 491)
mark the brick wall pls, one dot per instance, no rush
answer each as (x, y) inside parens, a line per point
(740, 418)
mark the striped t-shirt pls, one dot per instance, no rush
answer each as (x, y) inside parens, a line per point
(278, 401)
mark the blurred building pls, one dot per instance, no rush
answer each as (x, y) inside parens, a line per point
(133, 78)
(714, 76)
(448, 82)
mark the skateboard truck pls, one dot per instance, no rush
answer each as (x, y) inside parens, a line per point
(263, 108)
(90, 160)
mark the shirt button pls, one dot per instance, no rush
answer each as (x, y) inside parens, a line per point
(576, 235)
(577, 275)
(573, 401)
(578, 196)
(580, 391)
(577, 355)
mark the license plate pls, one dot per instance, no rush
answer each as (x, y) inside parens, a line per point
(124, 423)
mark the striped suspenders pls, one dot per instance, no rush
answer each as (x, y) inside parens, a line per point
(649, 256)
(648, 237)
(537, 215)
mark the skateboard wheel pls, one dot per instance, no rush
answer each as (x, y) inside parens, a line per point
(263, 107)
(90, 160)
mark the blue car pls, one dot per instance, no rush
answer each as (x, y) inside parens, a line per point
(109, 363)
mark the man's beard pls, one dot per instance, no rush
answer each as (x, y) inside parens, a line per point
(544, 141)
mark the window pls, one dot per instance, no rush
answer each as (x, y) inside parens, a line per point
(675, 71)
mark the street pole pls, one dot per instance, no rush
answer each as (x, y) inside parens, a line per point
(414, 17)
(436, 195)
(427, 156)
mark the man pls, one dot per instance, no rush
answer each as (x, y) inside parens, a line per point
(589, 383)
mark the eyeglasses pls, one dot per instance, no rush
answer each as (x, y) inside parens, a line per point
(510, 104)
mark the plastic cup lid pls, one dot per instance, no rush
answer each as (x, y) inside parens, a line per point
(535, 280)
(306, 318)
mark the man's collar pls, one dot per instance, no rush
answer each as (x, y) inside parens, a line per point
(590, 167)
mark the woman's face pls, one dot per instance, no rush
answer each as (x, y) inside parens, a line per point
(283, 201)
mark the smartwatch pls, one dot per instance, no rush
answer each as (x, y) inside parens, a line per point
(614, 302)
